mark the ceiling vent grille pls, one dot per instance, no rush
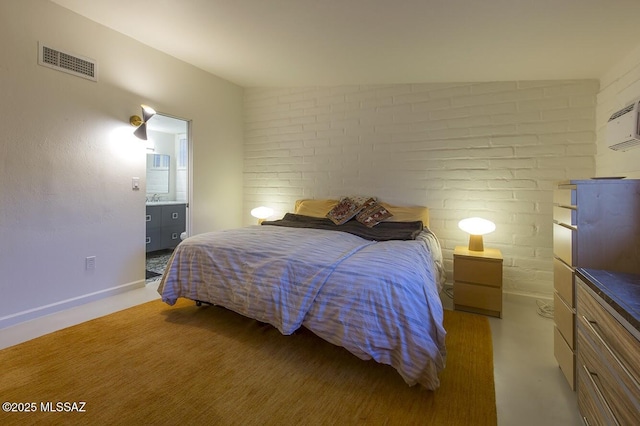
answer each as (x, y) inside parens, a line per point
(67, 62)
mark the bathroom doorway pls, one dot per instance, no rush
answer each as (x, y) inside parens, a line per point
(168, 190)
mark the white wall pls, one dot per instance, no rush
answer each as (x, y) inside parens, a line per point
(491, 149)
(619, 86)
(67, 157)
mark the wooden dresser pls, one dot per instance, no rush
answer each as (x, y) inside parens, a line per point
(608, 347)
(596, 225)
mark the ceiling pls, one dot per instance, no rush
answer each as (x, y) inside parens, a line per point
(336, 42)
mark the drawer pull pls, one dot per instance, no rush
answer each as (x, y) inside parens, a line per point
(591, 325)
(174, 215)
(600, 395)
(148, 218)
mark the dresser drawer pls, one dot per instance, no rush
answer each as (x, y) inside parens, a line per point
(564, 215)
(565, 320)
(564, 197)
(563, 282)
(594, 409)
(565, 357)
(617, 389)
(478, 271)
(563, 241)
(605, 328)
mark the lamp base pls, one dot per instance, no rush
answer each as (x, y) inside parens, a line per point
(475, 243)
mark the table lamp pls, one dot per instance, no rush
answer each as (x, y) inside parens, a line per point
(261, 213)
(476, 227)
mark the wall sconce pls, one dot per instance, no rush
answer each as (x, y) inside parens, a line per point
(476, 227)
(261, 213)
(141, 123)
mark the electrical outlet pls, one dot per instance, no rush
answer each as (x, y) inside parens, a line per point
(135, 183)
(90, 262)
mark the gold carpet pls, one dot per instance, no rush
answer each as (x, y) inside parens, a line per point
(155, 364)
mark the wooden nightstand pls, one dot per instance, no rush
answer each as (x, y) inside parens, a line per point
(477, 281)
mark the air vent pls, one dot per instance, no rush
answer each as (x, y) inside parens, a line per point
(623, 128)
(67, 62)
(622, 112)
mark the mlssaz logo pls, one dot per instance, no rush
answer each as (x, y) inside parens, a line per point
(67, 407)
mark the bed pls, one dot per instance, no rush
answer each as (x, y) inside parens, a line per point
(377, 294)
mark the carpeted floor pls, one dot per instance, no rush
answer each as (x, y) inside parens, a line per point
(154, 364)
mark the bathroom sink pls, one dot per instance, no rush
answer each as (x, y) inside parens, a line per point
(163, 203)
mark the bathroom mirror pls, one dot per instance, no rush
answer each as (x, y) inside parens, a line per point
(158, 173)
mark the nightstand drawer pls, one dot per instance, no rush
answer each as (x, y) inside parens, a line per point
(477, 296)
(478, 271)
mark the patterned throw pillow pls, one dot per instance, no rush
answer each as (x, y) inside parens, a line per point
(343, 211)
(372, 213)
(360, 199)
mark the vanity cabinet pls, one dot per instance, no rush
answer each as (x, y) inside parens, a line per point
(596, 225)
(165, 223)
(608, 347)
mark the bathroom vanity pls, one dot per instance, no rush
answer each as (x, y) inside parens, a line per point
(166, 220)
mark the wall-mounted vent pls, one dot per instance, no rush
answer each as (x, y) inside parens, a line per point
(67, 62)
(623, 128)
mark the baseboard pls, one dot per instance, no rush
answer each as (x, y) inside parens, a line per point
(62, 305)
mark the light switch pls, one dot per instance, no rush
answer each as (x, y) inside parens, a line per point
(135, 183)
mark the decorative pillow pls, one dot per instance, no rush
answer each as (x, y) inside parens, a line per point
(360, 199)
(372, 213)
(343, 211)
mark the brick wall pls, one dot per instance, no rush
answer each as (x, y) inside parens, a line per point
(619, 87)
(493, 150)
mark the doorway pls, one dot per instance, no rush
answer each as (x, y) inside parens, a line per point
(168, 190)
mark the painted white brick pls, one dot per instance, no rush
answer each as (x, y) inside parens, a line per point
(523, 117)
(496, 98)
(507, 129)
(534, 151)
(432, 105)
(450, 91)
(490, 149)
(557, 126)
(568, 138)
(515, 140)
(577, 125)
(547, 104)
(578, 88)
